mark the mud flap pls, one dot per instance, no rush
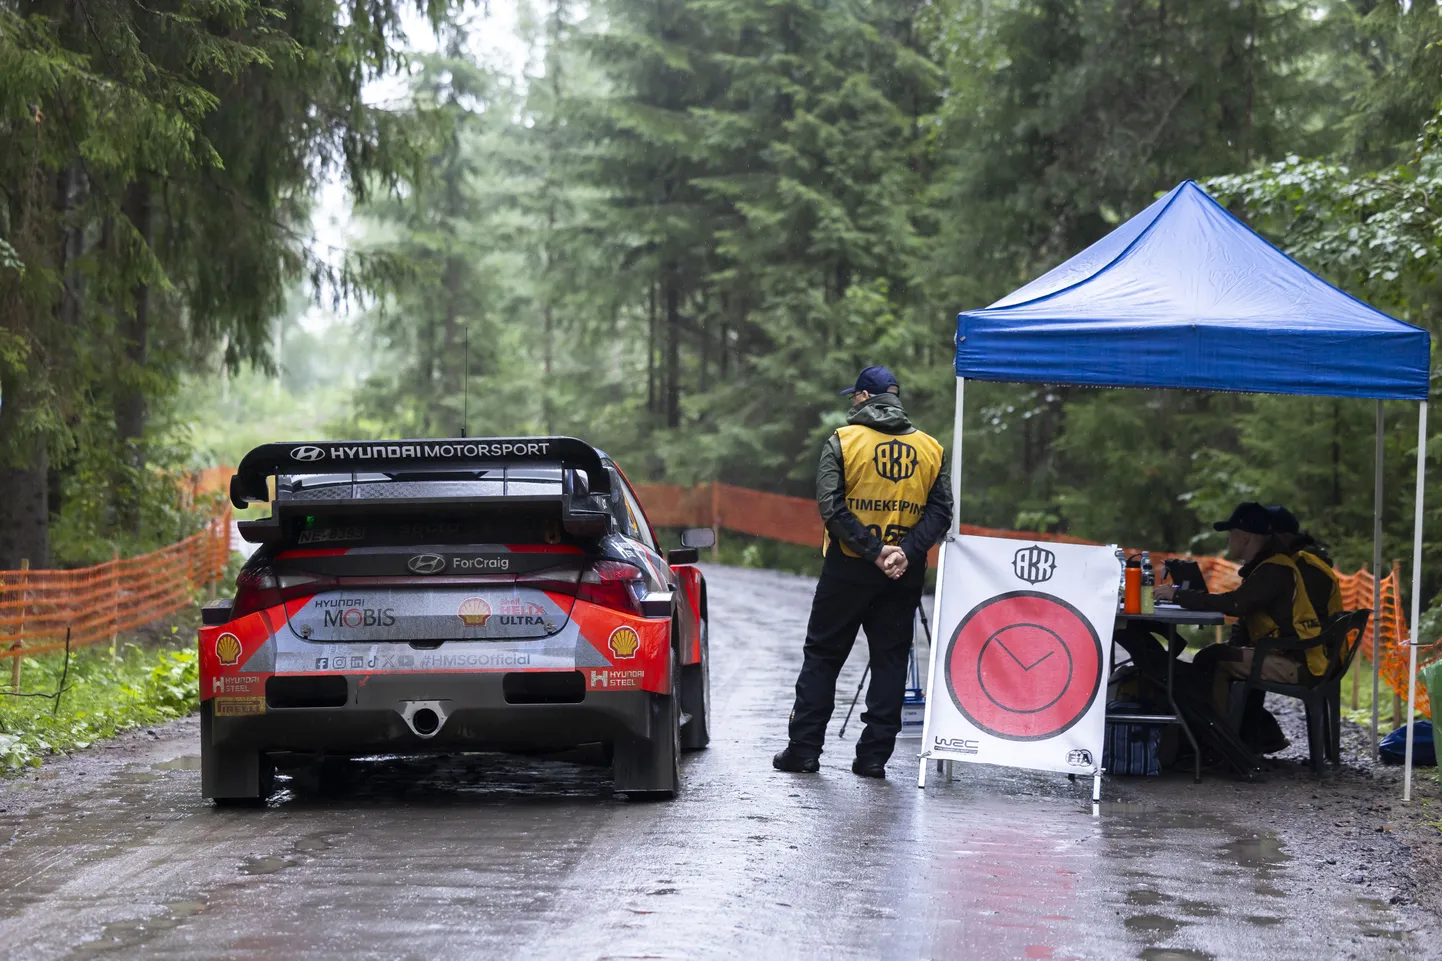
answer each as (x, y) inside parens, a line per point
(695, 695)
(651, 767)
(230, 776)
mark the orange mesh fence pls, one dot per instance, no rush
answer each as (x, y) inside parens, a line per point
(794, 520)
(97, 603)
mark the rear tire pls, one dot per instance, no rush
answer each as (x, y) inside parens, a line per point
(649, 769)
(696, 699)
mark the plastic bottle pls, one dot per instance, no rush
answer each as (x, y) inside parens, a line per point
(1132, 592)
(1148, 595)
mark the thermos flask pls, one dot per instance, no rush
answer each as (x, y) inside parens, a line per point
(1132, 591)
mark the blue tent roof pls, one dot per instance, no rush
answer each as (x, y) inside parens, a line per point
(1186, 295)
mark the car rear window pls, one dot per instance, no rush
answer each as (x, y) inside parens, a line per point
(494, 525)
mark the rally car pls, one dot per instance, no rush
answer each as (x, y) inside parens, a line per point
(452, 595)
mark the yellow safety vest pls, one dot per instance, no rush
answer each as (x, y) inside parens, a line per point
(1304, 618)
(888, 478)
(1334, 600)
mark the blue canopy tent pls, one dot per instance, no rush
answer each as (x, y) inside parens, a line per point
(1184, 295)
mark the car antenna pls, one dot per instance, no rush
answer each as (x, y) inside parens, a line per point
(466, 386)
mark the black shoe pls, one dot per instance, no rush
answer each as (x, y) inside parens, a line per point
(868, 768)
(789, 760)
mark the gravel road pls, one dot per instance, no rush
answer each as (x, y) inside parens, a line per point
(112, 852)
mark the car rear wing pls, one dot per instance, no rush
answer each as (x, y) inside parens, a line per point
(583, 512)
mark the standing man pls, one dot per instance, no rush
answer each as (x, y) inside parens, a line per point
(885, 497)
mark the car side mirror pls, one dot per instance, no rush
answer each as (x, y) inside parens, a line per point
(698, 537)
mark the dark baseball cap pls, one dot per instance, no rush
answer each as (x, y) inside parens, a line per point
(1250, 517)
(873, 380)
(1283, 520)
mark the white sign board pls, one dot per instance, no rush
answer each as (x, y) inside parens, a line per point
(1022, 653)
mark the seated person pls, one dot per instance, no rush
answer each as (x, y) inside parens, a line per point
(1324, 588)
(1271, 602)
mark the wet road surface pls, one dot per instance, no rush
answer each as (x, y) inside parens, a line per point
(113, 853)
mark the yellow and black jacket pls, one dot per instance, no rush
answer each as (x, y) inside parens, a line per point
(881, 481)
(1271, 602)
(1324, 588)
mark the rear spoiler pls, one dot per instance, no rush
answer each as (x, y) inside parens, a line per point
(581, 513)
(339, 457)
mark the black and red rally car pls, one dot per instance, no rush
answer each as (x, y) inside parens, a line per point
(452, 595)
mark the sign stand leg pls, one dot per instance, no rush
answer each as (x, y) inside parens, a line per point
(921, 775)
(1097, 788)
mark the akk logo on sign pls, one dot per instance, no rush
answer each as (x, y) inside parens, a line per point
(427, 564)
(894, 460)
(307, 454)
(1034, 564)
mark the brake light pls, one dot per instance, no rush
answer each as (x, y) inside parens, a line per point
(613, 584)
(260, 588)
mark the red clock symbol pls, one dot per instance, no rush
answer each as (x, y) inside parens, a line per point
(1024, 666)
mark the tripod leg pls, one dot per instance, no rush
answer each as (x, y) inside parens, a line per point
(856, 697)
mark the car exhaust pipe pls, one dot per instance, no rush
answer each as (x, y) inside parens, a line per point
(424, 718)
(425, 722)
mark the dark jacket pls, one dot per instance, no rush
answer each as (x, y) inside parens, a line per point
(1265, 588)
(884, 413)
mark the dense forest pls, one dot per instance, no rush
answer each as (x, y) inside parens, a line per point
(681, 229)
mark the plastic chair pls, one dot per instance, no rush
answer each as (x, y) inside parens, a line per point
(1322, 696)
(1353, 627)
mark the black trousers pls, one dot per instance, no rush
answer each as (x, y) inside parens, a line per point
(885, 610)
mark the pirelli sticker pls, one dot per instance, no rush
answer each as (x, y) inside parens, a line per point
(238, 706)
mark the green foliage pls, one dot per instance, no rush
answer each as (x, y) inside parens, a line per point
(697, 219)
(158, 165)
(144, 685)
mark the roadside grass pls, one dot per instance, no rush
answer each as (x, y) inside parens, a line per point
(150, 681)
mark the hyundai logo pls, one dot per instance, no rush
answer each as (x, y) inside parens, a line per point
(308, 454)
(427, 564)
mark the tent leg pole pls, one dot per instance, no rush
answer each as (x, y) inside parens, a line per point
(1376, 577)
(956, 429)
(956, 457)
(1416, 597)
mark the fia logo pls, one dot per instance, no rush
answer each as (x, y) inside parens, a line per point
(1080, 758)
(894, 460)
(1034, 564)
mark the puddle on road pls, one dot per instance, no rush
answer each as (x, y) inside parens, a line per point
(1146, 897)
(1200, 909)
(190, 762)
(1174, 954)
(269, 864)
(314, 845)
(1264, 920)
(1155, 924)
(1260, 852)
(132, 934)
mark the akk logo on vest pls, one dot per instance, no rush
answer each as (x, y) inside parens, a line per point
(894, 460)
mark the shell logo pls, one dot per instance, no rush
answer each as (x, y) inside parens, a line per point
(227, 649)
(474, 612)
(624, 641)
